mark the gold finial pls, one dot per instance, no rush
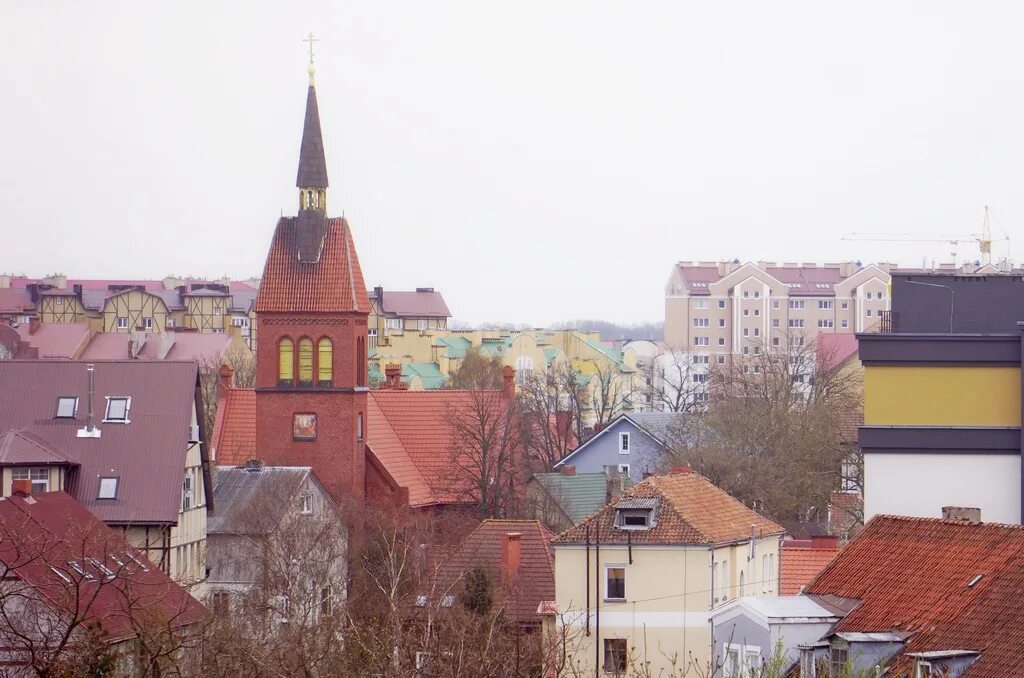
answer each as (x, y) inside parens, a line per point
(311, 68)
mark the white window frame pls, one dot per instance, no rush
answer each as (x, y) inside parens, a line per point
(721, 303)
(147, 323)
(169, 322)
(187, 492)
(127, 410)
(74, 407)
(700, 303)
(624, 468)
(721, 341)
(919, 669)
(624, 442)
(422, 324)
(37, 475)
(122, 322)
(701, 341)
(702, 322)
(796, 304)
(306, 504)
(105, 484)
(844, 305)
(826, 304)
(845, 324)
(742, 665)
(614, 566)
(393, 324)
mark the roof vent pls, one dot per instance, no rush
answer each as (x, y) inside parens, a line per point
(90, 430)
(969, 513)
(253, 465)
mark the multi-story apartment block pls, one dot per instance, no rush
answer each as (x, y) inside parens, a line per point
(723, 308)
(395, 313)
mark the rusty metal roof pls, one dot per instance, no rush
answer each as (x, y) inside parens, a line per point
(147, 454)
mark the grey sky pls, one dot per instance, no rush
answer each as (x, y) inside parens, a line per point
(535, 161)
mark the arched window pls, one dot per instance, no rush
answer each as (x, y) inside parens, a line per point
(324, 362)
(285, 361)
(305, 361)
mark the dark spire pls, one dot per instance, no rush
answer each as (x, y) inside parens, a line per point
(312, 165)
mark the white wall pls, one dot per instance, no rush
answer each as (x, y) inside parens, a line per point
(921, 484)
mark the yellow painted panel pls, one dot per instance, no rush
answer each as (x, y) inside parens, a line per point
(942, 396)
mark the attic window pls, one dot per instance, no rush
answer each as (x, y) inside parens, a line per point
(108, 488)
(117, 409)
(67, 407)
(634, 519)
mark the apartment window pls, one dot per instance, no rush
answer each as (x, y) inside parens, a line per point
(700, 303)
(217, 310)
(221, 603)
(306, 504)
(757, 313)
(721, 360)
(826, 304)
(721, 341)
(40, 478)
(746, 294)
(844, 305)
(721, 322)
(700, 378)
(623, 443)
(108, 488)
(701, 322)
(372, 335)
(147, 323)
(67, 407)
(757, 295)
(721, 303)
(746, 332)
(746, 350)
(844, 324)
(304, 426)
(775, 322)
(421, 324)
(169, 322)
(117, 409)
(614, 582)
(186, 491)
(731, 661)
(615, 656)
(700, 360)
(393, 324)
(757, 331)
(775, 341)
(867, 312)
(757, 369)
(796, 322)
(796, 304)
(826, 324)
(775, 304)
(701, 341)
(746, 313)
(239, 321)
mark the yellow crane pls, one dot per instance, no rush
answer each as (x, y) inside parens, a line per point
(984, 239)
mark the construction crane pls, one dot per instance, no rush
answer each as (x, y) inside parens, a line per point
(983, 239)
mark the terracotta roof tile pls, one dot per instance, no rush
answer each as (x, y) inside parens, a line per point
(916, 575)
(234, 436)
(798, 566)
(333, 284)
(691, 510)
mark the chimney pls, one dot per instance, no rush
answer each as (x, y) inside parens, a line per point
(224, 378)
(681, 470)
(393, 377)
(21, 488)
(568, 470)
(511, 552)
(614, 483)
(253, 465)
(968, 513)
(90, 430)
(508, 376)
(33, 325)
(825, 541)
(378, 293)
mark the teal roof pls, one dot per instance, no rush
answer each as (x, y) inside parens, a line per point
(612, 354)
(376, 376)
(457, 346)
(579, 495)
(429, 374)
(583, 379)
(550, 354)
(495, 346)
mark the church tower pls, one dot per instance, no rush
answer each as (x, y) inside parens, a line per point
(311, 313)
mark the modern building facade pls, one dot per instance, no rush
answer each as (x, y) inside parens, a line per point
(942, 398)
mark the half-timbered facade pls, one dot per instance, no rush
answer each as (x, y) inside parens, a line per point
(134, 309)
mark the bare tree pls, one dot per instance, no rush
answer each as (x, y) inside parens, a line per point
(679, 381)
(612, 390)
(550, 416)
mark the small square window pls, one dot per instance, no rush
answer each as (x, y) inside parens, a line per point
(624, 468)
(67, 407)
(721, 360)
(147, 323)
(117, 409)
(721, 303)
(721, 341)
(108, 488)
(304, 427)
(122, 323)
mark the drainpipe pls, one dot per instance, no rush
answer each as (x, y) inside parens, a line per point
(587, 622)
(597, 599)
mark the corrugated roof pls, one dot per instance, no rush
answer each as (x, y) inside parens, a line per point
(429, 374)
(56, 340)
(415, 304)
(921, 575)
(235, 486)
(334, 284)
(148, 454)
(18, 447)
(52, 528)
(691, 511)
(457, 346)
(207, 348)
(578, 495)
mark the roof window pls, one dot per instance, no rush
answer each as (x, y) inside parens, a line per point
(638, 513)
(117, 409)
(108, 488)
(67, 407)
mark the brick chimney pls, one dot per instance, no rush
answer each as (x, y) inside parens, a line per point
(21, 488)
(825, 541)
(511, 553)
(224, 378)
(968, 513)
(393, 377)
(568, 470)
(681, 470)
(508, 376)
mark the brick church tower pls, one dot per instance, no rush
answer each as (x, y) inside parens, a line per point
(311, 312)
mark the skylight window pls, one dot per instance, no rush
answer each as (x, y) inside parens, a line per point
(77, 567)
(117, 409)
(108, 574)
(62, 575)
(108, 488)
(67, 407)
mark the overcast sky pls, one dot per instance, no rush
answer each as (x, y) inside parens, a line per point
(535, 161)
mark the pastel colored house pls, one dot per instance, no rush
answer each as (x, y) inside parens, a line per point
(633, 444)
(637, 581)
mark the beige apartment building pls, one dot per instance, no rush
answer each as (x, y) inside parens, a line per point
(723, 308)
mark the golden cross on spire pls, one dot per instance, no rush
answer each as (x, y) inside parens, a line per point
(310, 39)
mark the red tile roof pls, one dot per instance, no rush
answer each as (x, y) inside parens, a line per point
(800, 562)
(835, 348)
(333, 284)
(45, 532)
(57, 340)
(921, 575)
(534, 581)
(234, 436)
(691, 510)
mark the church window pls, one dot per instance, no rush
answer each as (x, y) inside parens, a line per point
(305, 361)
(360, 361)
(285, 361)
(324, 364)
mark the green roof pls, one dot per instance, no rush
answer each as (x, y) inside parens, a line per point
(429, 374)
(493, 346)
(457, 346)
(376, 376)
(583, 379)
(610, 353)
(579, 495)
(549, 355)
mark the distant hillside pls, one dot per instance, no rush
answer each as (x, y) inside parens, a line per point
(610, 331)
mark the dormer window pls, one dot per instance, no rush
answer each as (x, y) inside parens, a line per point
(117, 409)
(67, 407)
(638, 513)
(636, 519)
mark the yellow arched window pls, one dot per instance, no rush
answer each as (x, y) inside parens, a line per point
(324, 362)
(285, 361)
(305, 360)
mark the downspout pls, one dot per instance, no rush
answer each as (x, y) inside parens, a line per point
(597, 599)
(587, 622)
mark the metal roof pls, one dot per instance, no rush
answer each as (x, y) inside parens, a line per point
(147, 454)
(235, 487)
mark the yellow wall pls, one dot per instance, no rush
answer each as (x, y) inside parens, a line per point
(941, 396)
(136, 306)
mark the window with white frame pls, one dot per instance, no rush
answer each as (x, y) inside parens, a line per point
(714, 582)
(844, 305)
(239, 321)
(775, 341)
(421, 324)
(700, 359)
(757, 313)
(700, 303)
(721, 322)
(187, 493)
(775, 322)
(699, 378)
(117, 409)
(40, 478)
(721, 359)
(67, 407)
(746, 294)
(721, 303)
(614, 582)
(740, 660)
(825, 324)
(867, 312)
(122, 322)
(524, 369)
(147, 323)
(796, 304)
(844, 324)
(701, 322)
(306, 504)
(746, 312)
(746, 331)
(623, 443)
(757, 331)
(923, 669)
(169, 322)
(796, 322)
(723, 588)
(393, 324)
(108, 488)
(826, 304)
(721, 341)
(701, 341)
(624, 468)
(775, 304)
